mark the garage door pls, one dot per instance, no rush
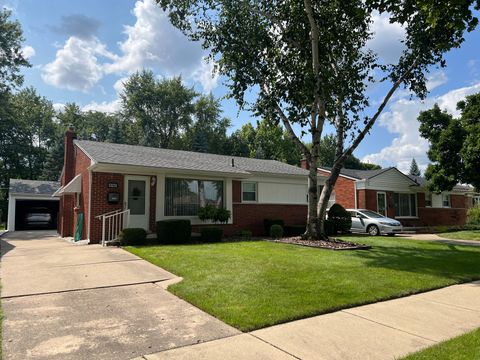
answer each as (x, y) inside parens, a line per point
(36, 214)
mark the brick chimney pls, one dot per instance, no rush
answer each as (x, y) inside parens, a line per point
(304, 164)
(69, 155)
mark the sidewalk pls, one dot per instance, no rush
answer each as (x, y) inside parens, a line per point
(385, 330)
(436, 238)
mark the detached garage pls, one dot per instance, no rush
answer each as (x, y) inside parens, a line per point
(31, 205)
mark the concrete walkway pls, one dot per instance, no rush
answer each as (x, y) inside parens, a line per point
(436, 238)
(385, 330)
(65, 301)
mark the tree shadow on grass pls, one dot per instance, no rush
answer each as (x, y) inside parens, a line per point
(450, 261)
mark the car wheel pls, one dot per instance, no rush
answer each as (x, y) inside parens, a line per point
(373, 230)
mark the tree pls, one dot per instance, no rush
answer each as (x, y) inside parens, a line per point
(414, 169)
(454, 145)
(326, 156)
(311, 64)
(11, 62)
(208, 133)
(161, 109)
(11, 59)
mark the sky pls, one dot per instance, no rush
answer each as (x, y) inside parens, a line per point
(82, 51)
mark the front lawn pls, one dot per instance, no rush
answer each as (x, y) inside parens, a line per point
(462, 235)
(255, 284)
(465, 347)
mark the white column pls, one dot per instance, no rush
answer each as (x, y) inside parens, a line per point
(11, 213)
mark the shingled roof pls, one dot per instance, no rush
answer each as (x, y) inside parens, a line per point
(121, 154)
(33, 187)
(358, 174)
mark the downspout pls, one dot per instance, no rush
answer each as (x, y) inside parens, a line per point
(89, 225)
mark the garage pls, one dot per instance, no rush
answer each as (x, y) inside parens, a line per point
(31, 205)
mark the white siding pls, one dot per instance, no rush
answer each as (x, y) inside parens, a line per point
(391, 180)
(278, 193)
(437, 200)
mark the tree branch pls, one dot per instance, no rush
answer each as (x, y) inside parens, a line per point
(374, 118)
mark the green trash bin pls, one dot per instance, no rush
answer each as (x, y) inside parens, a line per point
(79, 228)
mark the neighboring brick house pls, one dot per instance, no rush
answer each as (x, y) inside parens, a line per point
(403, 197)
(157, 184)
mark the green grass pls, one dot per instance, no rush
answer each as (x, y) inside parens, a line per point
(250, 285)
(462, 235)
(465, 347)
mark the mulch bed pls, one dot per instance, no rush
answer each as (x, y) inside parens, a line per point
(332, 244)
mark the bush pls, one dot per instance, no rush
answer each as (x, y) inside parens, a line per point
(174, 231)
(267, 223)
(207, 212)
(341, 218)
(294, 230)
(133, 236)
(213, 213)
(329, 227)
(276, 231)
(211, 234)
(244, 234)
(222, 215)
(473, 215)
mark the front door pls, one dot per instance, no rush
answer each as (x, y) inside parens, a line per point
(137, 199)
(382, 203)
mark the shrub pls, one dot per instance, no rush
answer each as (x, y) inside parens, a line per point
(294, 230)
(221, 215)
(276, 231)
(207, 212)
(133, 236)
(211, 234)
(174, 231)
(213, 213)
(341, 218)
(267, 223)
(329, 227)
(473, 215)
(244, 234)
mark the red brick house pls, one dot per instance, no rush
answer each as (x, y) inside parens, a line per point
(155, 184)
(402, 197)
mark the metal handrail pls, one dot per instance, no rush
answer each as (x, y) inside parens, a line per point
(108, 213)
(113, 223)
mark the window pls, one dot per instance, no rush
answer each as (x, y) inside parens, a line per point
(428, 199)
(405, 205)
(249, 191)
(183, 197)
(446, 200)
(476, 201)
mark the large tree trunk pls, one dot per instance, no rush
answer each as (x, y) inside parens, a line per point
(324, 197)
(311, 231)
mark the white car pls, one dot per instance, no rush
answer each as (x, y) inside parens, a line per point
(373, 223)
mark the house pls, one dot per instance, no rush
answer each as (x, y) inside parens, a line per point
(101, 180)
(27, 199)
(402, 197)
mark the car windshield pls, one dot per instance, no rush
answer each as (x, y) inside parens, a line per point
(372, 214)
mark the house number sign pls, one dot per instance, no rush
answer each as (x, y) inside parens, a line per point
(113, 185)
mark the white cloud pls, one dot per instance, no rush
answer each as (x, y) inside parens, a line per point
(28, 51)
(77, 65)
(104, 106)
(401, 119)
(387, 37)
(59, 107)
(119, 84)
(153, 42)
(206, 75)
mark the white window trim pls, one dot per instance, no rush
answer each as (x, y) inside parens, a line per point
(256, 192)
(431, 200)
(449, 201)
(416, 205)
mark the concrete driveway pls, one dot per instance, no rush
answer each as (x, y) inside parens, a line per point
(66, 301)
